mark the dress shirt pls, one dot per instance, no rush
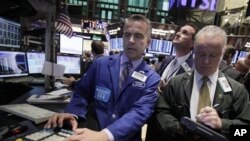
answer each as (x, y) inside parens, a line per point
(180, 60)
(198, 81)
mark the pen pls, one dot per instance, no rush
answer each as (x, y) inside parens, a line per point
(216, 105)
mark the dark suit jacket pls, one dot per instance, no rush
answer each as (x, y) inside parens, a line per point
(174, 104)
(230, 71)
(164, 64)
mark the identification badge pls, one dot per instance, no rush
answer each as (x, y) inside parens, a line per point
(138, 84)
(139, 76)
(102, 93)
(185, 66)
(224, 84)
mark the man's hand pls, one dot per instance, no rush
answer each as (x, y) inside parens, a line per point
(161, 86)
(209, 116)
(69, 80)
(57, 120)
(85, 134)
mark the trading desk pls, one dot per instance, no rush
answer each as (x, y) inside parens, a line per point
(7, 119)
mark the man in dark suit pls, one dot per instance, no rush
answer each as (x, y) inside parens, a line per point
(182, 95)
(183, 61)
(225, 66)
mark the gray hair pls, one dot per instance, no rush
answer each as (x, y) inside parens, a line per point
(214, 32)
(138, 17)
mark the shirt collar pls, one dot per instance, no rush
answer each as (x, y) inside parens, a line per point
(182, 59)
(125, 59)
(212, 78)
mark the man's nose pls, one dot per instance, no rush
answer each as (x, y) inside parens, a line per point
(131, 38)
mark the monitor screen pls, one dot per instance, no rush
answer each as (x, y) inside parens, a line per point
(71, 45)
(35, 62)
(71, 63)
(160, 46)
(116, 44)
(234, 59)
(9, 33)
(13, 64)
(242, 54)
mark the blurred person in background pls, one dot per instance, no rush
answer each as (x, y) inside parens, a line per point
(97, 50)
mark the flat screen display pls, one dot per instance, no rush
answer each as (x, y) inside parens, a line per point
(9, 33)
(116, 44)
(73, 45)
(35, 62)
(160, 46)
(234, 59)
(71, 63)
(242, 54)
(13, 64)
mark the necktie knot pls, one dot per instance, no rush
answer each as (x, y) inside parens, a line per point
(205, 79)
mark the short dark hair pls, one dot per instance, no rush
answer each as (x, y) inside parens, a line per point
(229, 52)
(138, 17)
(97, 47)
(194, 27)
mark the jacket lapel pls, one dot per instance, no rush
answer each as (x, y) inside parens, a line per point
(218, 97)
(188, 84)
(114, 69)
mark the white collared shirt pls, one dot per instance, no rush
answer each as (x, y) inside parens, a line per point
(212, 83)
(180, 60)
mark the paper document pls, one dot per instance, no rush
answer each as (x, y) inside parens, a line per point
(59, 92)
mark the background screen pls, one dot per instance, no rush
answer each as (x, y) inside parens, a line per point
(71, 45)
(35, 62)
(13, 64)
(71, 63)
(160, 46)
(9, 33)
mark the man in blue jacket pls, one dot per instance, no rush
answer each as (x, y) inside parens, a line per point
(122, 104)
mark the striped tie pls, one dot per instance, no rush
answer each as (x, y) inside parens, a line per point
(125, 73)
(172, 69)
(204, 99)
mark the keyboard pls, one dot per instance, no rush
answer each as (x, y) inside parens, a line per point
(33, 113)
(49, 135)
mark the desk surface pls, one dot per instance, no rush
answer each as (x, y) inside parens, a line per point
(90, 123)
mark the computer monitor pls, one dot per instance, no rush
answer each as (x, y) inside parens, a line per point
(71, 63)
(73, 45)
(9, 33)
(242, 54)
(116, 44)
(160, 46)
(13, 64)
(234, 59)
(35, 62)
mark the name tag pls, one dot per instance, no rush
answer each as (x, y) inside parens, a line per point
(139, 76)
(138, 84)
(185, 66)
(102, 93)
(224, 84)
